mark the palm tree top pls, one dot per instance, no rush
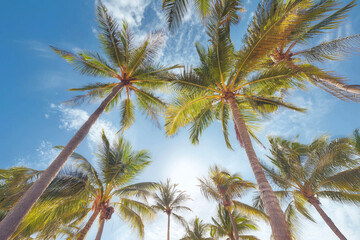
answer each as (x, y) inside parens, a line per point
(221, 225)
(313, 163)
(225, 74)
(317, 18)
(222, 186)
(322, 169)
(197, 230)
(305, 173)
(170, 198)
(132, 65)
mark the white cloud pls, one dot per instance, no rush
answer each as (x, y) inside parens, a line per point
(73, 118)
(130, 10)
(289, 123)
(45, 154)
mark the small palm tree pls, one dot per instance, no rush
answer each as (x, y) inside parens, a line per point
(134, 71)
(197, 230)
(315, 20)
(225, 188)
(308, 173)
(222, 225)
(109, 189)
(235, 82)
(175, 10)
(170, 200)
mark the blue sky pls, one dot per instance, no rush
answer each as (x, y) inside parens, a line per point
(35, 82)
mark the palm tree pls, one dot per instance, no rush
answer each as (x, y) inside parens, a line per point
(170, 200)
(308, 173)
(175, 10)
(224, 188)
(234, 82)
(222, 225)
(197, 230)
(133, 69)
(317, 18)
(109, 189)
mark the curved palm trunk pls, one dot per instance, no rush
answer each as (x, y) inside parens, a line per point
(354, 89)
(328, 221)
(14, 218)
(272, 207)
(101, 228)
(88, 225)
(351, 89)
(168, 228)
(233, 223)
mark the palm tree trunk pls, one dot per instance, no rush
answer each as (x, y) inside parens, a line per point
(272, 207)
(18, 212)
(351, 89)
(88, 225)
(101, 228)
(328, 221)
(168, 228)
(233, 223)
(354, 89)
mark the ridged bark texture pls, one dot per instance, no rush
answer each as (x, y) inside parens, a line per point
(88, 225)
(168, 228)
(9, 224)
(279, 226)
(233, 223)
(101, 228)
(328, 221)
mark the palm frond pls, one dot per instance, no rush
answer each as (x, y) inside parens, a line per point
(332, 50)
(250, 211)
(174, 11)
(109, 36)
(87, 63)
(127, 114)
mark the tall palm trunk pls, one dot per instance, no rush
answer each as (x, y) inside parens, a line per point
(168, 228)
(101, 228)
(88, 225)
(328, 221)
(233, 223)
(272, 207)
(16, 215)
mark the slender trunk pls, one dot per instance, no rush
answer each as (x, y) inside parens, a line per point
(279, 226)
(328, 221)
(233, 223)
(168, 229)
(352, 89)
(18, 212)
(101, 228)
(88, 225)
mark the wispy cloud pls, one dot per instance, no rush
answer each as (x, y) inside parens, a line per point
(44, 155)
(42, 49)
(71, 119)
